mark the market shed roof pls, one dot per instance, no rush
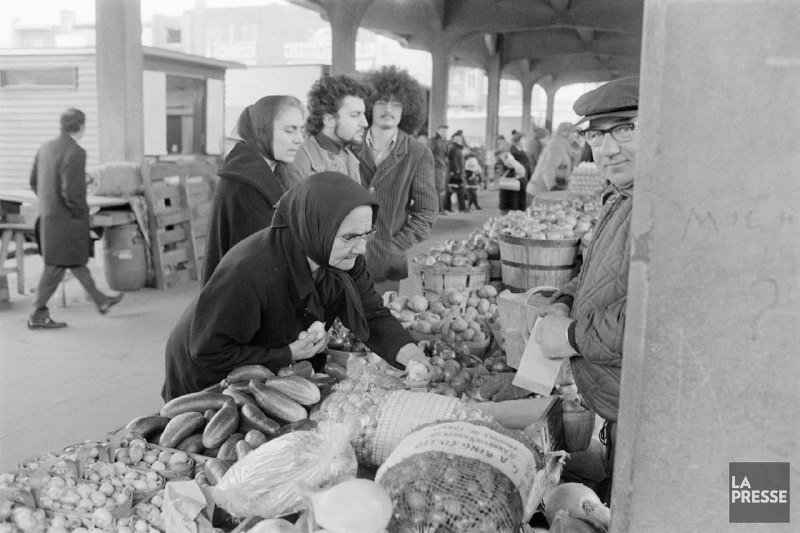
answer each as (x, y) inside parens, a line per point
(562, 41)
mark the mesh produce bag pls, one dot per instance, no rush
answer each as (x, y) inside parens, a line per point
(461, 477)
(386, 417)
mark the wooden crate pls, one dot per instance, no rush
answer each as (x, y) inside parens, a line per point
(178, 195)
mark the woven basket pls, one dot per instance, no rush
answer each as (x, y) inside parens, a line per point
(433, 280)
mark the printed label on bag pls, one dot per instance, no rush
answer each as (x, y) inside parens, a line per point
(472, 441)
(124, 254)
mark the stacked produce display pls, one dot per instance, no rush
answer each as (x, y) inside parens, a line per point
(298, 451)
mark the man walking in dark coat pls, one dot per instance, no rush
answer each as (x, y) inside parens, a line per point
(59, 180)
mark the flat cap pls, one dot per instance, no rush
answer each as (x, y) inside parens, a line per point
(618, 98)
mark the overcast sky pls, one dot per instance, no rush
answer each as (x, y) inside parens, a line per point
(47, 11)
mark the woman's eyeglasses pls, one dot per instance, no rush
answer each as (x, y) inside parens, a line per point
(362, 237)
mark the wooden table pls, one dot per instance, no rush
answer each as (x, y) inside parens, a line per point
(18, 216)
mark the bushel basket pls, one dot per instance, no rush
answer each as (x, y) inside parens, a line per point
(433, 280)
(529, 263)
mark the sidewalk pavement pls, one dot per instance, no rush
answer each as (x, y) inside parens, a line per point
(58, 387)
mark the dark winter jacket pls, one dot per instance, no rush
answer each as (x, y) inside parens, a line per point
(58, 178)
(243, 203)
(254, 305)
(600, 305)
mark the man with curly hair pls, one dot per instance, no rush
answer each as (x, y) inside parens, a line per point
(399, 171)
(335, 123)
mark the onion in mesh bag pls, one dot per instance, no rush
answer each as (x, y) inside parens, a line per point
(461, 477)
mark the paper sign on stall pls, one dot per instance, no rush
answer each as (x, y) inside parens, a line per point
(536, 372)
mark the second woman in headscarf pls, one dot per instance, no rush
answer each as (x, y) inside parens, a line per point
(257, 171)
(308, 266)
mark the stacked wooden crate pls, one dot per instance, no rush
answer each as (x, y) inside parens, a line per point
(197, 197)
(178, 196)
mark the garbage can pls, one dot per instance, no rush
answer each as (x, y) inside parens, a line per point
(125, 258)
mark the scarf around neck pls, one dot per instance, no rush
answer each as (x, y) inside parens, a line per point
(312, 212)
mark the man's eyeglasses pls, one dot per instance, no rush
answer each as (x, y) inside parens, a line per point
(620, 133)
(352, 240)
(389, 103)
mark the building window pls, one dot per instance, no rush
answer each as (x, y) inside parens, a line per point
(55, 77)
(173, 36)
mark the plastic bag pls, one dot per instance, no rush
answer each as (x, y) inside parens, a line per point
(272, 479)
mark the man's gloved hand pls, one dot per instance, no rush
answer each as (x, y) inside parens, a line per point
(498, 388)
(551, 333)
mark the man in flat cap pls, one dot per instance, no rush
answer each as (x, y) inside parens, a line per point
(587, 323)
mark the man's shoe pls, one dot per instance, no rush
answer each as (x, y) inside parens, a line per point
(45, 323)
(109, 303)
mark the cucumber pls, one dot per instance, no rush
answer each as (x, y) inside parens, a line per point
(276, 404)
(248, 372)
(180, 427)
(298, 389)
(227, 452)
(147, 426)
(252, 417)
(192, 444)
(221, 426)
(194, 402)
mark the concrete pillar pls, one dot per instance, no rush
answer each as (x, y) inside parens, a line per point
(550, 91)
(493, 71)
(345, 18)
(119, 80)
(440, 77)
(527, 95)
(711, 341)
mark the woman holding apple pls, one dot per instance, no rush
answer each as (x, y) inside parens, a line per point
(258, 305)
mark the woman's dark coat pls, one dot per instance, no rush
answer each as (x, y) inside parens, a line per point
(58, 178)
(253, 307)
(243, 203)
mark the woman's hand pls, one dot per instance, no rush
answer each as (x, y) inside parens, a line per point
(307, 345)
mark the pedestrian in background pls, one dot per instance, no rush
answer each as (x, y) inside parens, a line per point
(399, 171)
(555, 164)
(256, 172)
(455, 168)
(58, 178)
(336, 124)
(473, 176)
(438, 146)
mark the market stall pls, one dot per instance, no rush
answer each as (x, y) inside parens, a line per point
(458, 444)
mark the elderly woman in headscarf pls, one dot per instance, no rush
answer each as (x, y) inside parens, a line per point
(257, 171)
(270, 288)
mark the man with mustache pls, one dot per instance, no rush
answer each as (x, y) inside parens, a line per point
(399, 171)
(335, 125)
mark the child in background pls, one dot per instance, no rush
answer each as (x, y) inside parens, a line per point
(473, 177)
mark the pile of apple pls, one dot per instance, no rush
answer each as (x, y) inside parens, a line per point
(455, 315)
(547, 222)
(472, 251)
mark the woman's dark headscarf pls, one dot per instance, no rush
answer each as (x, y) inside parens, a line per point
(256, 128)
(313, 211)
